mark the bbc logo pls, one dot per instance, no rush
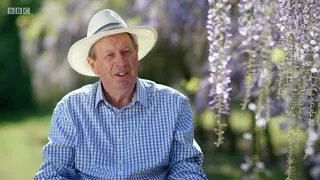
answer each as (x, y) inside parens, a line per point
(18, 10)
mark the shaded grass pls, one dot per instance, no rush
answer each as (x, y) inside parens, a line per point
(225, 166)
(9, 117)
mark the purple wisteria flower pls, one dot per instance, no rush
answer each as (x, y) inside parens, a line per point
(219, 27)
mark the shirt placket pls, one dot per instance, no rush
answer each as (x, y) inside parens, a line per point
(120, 144)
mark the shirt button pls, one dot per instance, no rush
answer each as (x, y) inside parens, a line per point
(120, 172)
(121, 161)
(119, 140)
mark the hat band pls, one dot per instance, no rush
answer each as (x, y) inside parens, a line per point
(108, 27)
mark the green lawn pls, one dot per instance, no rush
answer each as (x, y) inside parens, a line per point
(22, 136)
(21, 144)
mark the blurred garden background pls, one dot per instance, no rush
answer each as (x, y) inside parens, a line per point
(35, 75)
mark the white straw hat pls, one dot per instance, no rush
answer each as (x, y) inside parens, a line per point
(106, 23)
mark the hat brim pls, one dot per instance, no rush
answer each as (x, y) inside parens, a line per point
(144, 36)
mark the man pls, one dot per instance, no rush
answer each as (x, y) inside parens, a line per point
(121, 127)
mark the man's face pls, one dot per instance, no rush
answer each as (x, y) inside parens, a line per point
(116, 61)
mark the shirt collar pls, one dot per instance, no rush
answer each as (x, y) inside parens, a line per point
(99, 94)
(140, 95)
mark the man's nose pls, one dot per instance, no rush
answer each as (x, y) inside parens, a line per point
(119, 60)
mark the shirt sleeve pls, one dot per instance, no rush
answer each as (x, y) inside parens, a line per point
(59, 154)
(186, 157)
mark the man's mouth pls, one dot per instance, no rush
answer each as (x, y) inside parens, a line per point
(121, 74)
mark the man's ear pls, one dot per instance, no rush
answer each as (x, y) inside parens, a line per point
(92, 64)
(136, 48)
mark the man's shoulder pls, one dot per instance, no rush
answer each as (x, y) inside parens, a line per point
(83, 93)
(160, 89)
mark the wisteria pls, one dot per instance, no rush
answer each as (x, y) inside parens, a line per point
(256, 23)
(294, 25)
(298, 75)
(219, 26)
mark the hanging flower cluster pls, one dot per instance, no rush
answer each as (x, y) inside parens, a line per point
(299, 72)
(219, 26)
(299, 76)
(255, 25)
(295, 26)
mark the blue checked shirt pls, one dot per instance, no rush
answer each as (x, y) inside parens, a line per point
(150, 138)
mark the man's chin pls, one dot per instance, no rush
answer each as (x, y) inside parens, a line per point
(125, 84)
